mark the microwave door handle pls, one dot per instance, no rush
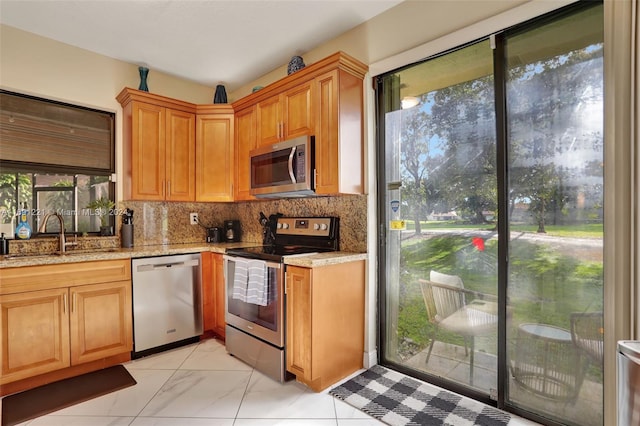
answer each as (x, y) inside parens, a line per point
(291, 173)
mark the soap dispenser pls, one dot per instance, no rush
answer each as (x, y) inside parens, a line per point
(23, 230)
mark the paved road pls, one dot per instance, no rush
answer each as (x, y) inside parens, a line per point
(580, 248)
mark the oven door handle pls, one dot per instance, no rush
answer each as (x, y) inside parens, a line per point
(269, 264)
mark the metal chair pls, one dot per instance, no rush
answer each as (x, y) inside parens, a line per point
(587, 334)
(447, 308)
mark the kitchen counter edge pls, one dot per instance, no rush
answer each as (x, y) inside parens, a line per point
(310, 261)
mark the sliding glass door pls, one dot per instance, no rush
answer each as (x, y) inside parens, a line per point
(490, 199)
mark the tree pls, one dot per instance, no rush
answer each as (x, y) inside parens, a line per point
(414, 154)
(12, 184)
(464, 119)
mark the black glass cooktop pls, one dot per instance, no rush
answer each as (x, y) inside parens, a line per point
(274, 252)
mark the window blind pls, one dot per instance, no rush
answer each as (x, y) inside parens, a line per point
(43, 132)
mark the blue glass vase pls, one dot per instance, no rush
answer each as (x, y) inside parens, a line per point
(144, 72)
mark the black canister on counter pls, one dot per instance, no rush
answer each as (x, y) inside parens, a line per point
(126, 239)
(4, 245)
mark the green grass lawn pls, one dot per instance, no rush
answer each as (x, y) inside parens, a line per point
(544, 285)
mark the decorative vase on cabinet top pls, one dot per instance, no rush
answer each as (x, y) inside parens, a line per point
(144, 72)
(295, 64)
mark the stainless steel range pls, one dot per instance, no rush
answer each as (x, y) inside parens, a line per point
(255, 314)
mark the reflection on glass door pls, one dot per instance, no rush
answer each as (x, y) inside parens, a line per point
(441, 204)
(555, 275)
(451, 185)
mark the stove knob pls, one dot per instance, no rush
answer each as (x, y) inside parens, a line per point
(279, 225)
(324, 226)
(316, 226)
(285, 226)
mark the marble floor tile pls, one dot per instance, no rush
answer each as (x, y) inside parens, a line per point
(180, 421)
(197, 393)
(285, 422)
(266, 398)
(202, 385)
(211, 354)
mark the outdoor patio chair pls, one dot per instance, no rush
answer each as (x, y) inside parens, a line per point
(587, 334)
(446, 301)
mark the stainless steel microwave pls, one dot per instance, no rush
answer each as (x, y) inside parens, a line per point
(283, 169)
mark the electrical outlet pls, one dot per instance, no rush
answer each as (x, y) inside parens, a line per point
(193, 218)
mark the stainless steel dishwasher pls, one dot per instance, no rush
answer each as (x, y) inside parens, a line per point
(167, 302)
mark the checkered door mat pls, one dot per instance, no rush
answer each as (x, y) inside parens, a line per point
(396, 399)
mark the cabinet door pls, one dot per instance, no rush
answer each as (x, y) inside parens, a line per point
(147, 152)
(219, 294)
(269, 121)
(35, 333)
(214, 156)
(299, 324)
(297, 105)
(338, 130)
(100, 321)
(245, 142)
(180, 156)
(208, 291)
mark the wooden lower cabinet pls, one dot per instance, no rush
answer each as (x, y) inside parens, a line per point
(325, 322)
(100, 321)
(52, 329)
(35, 333)
(213, 288)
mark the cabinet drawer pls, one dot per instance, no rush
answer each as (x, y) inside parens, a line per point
(31, 278)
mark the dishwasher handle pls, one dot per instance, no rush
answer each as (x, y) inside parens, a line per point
(151, 267)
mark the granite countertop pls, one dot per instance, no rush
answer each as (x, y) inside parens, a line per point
(310, 261)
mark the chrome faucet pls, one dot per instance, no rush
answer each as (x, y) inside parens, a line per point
(62, 240)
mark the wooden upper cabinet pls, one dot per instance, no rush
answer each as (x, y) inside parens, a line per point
(325, 99)
(159, 147)
(180, 156)
(286, 115)
(245, 129)
(269, 123)
(147, 151)
(339, 133)
(214, 153)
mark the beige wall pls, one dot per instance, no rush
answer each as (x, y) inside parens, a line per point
(410, 24)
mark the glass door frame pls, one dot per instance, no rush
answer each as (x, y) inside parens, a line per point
(498, 400)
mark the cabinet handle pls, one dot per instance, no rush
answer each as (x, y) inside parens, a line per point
(64, 303)
(73, 302)
(168, 188)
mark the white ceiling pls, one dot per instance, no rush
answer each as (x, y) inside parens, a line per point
(232, 42)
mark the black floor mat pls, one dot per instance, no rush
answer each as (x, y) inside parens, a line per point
(22, 406)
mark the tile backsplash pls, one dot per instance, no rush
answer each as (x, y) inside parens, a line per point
(168, 222)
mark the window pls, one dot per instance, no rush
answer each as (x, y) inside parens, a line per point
(54, 157)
